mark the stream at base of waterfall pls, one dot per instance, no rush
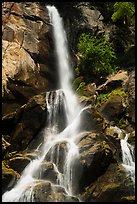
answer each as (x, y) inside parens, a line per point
(62, 107)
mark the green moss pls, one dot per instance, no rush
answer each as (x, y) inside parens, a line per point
(99, 119)
(122, 123)
(128, 198)
(119, 91)
(104, 97)
(6, 170)
(81, 87)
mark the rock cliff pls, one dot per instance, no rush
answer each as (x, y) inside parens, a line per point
(29, 71)
(28, 55)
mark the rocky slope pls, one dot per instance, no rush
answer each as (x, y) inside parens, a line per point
(28, 71)
(28, 56)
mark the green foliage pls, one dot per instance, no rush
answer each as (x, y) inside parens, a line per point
(77, 82)
(99, 119)
(122, 123)
(124, 10)
(79, 90)
(97, 56)
(104, 97)
(119, 91)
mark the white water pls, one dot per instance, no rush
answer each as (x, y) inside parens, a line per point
(128, 157)
(65, 72)
(23, 190)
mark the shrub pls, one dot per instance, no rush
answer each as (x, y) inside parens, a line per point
(97, 56)
(125, 11)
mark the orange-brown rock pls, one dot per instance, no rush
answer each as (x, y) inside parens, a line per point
(26, 62)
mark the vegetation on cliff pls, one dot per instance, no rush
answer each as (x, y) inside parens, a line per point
(102, 47)
(97, 57)
(125, 11)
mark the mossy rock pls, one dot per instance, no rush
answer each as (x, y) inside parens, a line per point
(9, 177)
(115, 132)
(128, 199)
(104, 95)
(122, 123)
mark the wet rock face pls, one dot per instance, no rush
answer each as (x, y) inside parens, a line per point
(28, 62)
(47, 192)
(92, 120)
(47, 172)
(57, 154)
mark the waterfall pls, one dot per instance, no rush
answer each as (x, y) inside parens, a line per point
(65, 72)
(63, 110)
(128, 158)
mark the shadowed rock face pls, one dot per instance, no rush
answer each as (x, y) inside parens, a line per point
(112, 186)
(112, 108)
(24, 124)
(28, 70)
(28, 66)
(92, 120)
(95, 156)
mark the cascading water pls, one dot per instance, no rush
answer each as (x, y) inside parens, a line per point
(128, 157)
(65, 72)
(54, 134)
